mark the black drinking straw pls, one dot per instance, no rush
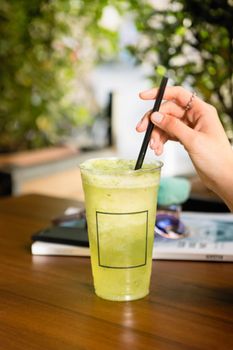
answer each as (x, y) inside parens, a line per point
(150, 127)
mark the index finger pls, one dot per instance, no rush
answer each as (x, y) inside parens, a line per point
(177, 93)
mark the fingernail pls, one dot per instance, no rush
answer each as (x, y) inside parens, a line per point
(139, 124)
(156, 117)
(143, 92)
(151, 143)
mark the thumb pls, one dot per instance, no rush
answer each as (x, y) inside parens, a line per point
(174, 127)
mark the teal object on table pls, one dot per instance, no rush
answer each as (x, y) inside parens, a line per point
(173, 190)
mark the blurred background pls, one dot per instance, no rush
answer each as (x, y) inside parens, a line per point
(70, 75)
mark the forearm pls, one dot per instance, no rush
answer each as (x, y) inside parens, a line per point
(216, 172)
(224, 187)
(227, 196)
(229, 203)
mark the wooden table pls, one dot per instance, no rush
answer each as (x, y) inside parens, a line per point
(49, 303)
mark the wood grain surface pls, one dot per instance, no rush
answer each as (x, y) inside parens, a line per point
(49, 302)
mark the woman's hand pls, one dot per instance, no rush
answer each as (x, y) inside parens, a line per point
(199, 130)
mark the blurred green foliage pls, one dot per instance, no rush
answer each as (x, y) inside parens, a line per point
(191, 40)
(48, 47)
(45, 49)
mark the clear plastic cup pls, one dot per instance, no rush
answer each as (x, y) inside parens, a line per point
(121, 207)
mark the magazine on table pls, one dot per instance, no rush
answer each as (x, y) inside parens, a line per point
(209, 237)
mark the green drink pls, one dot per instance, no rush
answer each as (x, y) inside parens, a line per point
(121, 207)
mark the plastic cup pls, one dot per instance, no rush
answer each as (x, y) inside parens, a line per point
(121, 207)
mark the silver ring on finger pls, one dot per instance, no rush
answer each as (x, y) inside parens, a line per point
(190, 102)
